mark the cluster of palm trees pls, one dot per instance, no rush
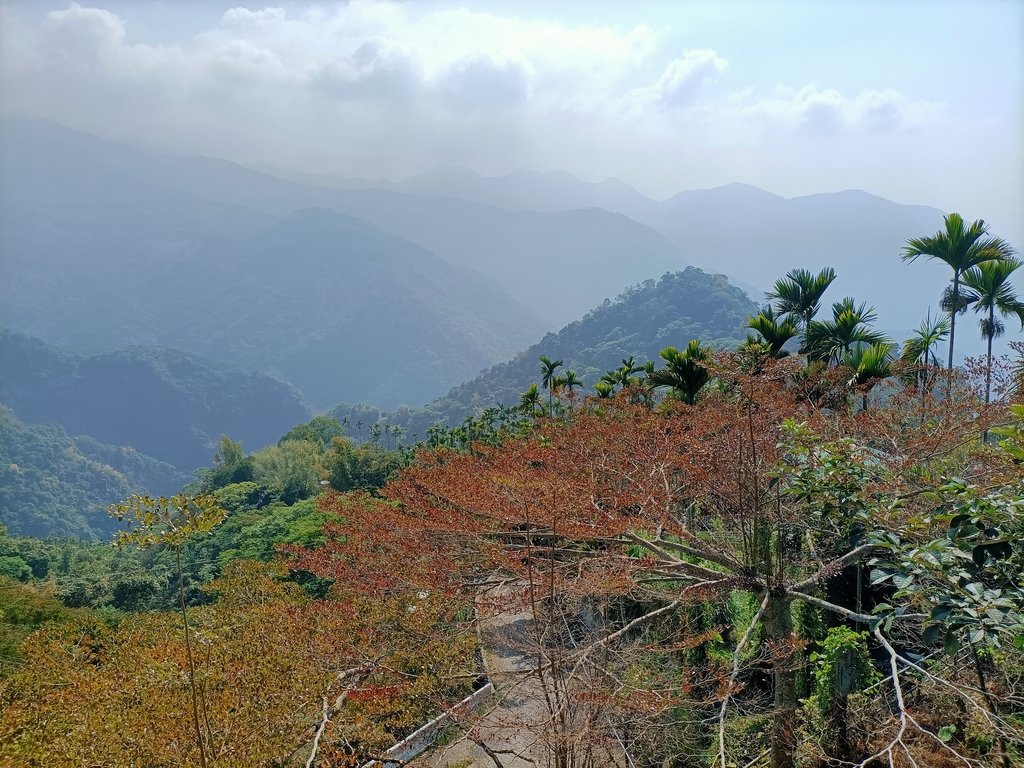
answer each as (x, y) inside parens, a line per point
(552, 382)
(846, 338)
(982, 268)
(683, 374)
(625, 377)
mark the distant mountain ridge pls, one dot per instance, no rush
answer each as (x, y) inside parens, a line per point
(752, 235)
(328, 299)
(165, 404)
(100, 250)
(190, 224)
(519, 190)
(582, 258)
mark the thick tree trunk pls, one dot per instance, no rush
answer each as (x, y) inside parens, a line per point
(778, 622)
(840, 716)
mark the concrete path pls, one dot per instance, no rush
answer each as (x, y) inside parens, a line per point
(511, 725)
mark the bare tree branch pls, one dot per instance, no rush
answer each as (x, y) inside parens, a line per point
(830, 569)
(732, 678)
(864, 618)
(318, 736)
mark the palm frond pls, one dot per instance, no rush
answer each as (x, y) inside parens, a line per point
(991, 288)
(917, 348)
(798, 294)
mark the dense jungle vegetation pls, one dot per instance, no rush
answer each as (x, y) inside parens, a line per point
(805, 550)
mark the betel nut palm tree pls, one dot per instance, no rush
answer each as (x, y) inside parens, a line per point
(961, 247)
(775, 330)
(850, 326)
(798, 296)
(684, 372)
(919, 349)
(529, 401)
(989, 289)
(548, 378)
(569, 382)
(870, 362)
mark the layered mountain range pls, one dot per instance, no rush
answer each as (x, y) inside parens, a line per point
(749, 234)
(80, 432)
(106, 245)
(101, 250)
(638, 324)
(166, 404)
(191, 293)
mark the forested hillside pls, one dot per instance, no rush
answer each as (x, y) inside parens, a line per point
(101, 251)
(745, 539)
(328, 298)
(747, 233)
(491, 384)
(640, 323)
(746, 578)
(581, 254)
(165, 404)
(56, 485)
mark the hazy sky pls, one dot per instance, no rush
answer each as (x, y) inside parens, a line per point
(922, 102)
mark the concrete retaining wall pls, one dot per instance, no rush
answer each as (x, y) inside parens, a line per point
(424, 737)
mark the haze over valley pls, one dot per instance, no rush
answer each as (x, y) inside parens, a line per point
(215, 259)
(491, 384)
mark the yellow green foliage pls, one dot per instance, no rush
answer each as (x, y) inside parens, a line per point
(266, 657)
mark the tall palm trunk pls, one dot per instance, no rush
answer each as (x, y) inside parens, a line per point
(806, 350)
(988, 362)
(952, 321)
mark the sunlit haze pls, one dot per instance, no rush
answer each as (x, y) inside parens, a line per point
(919, 102)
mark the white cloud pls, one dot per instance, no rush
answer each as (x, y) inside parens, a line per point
(243, 17)
(75, 24)
(680, 82)
(382, 88)
(826, 112)
(480, 83)
(379, 69)
(455, 60)
(564, 58)
(350, 65)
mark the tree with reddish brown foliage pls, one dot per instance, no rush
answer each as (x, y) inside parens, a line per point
(617, 521)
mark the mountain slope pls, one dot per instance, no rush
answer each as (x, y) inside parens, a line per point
(642, 321)
(750, 234)
(558, 264)
(168, 405)
(99, 250)
(55, 485)
(339, 307)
